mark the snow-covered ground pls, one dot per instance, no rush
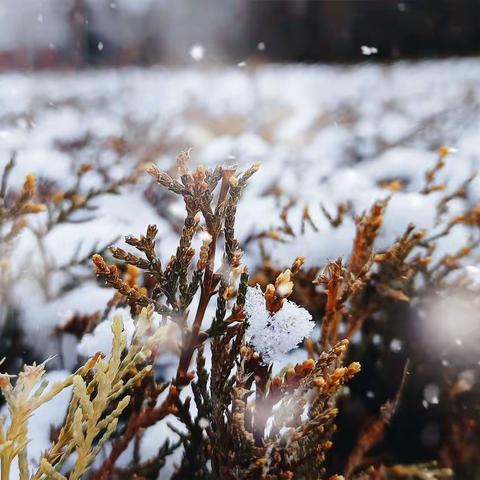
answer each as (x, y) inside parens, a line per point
(324, 135)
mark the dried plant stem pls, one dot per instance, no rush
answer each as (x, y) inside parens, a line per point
(181, 378)
(149, 416)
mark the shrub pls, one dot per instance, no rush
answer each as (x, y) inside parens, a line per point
(234, 417)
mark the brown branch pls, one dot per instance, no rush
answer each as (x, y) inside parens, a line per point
(150, 415)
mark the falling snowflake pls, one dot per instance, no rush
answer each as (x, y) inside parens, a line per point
(396, 345)
(241, 64)
(203, 423)
(100, 46)
(261, 46)
(274, 335)
(431, 394)
(197, 52)
(368, 50)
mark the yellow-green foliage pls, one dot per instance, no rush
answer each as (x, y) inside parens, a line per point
(98, 398)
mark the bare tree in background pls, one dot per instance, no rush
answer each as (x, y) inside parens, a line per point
(79, 26)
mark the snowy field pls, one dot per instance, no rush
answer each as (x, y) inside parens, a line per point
(325, 135)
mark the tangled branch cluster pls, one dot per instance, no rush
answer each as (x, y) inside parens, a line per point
(239, 420)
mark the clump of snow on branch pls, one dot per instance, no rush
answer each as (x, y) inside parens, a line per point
(100, 340)
(275, 335)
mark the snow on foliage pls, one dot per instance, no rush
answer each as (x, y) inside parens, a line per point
(100, 340)
(274, 115)
(320, 147)
(275, 335)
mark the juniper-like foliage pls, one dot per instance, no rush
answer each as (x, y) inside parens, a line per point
(239, 420)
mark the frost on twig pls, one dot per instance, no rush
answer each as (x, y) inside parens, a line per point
(274, 335)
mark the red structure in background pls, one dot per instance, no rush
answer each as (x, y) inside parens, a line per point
(23, 59)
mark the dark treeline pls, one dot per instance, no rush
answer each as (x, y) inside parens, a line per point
(100, 32)
(311, 31)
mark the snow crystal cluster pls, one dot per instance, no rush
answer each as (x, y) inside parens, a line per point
(275, 335)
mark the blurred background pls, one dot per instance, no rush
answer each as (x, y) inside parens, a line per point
(58, 33)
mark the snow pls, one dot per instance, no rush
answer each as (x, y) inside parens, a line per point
(197, 52)
(155, 436)
(472, 273)
(431, 393)
(50, 414)
(275, 335)
(40, 317)
(368, 50)
(396, 345)
(100, 340)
